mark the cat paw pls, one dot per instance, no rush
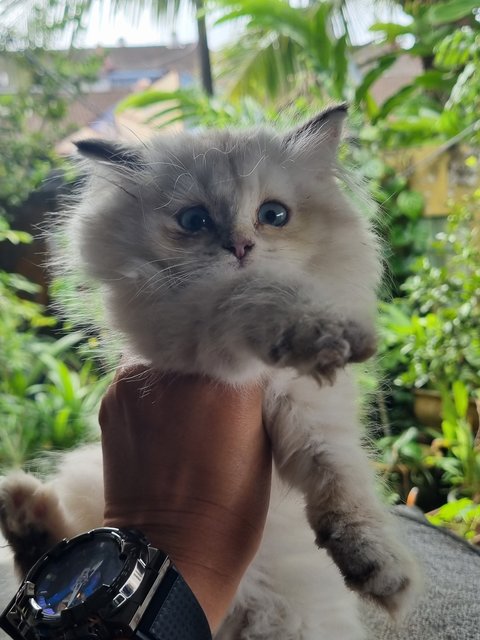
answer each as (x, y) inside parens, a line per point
(372, 565)
(320, 347)
(363, 342)
(30, 518)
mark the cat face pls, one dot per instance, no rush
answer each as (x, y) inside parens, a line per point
(228, 204)
(218, 203)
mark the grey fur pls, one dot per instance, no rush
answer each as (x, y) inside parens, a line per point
(292, 313)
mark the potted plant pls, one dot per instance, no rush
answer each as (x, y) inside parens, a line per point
(457, 454)
(437, 323)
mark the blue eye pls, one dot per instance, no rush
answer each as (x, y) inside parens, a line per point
(273, 213)
(194, 219)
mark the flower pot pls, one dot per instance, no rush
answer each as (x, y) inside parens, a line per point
(427, 407)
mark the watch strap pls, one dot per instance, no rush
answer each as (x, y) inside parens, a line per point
(174, 613)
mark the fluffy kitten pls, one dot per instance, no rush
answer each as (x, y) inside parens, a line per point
(238, 255)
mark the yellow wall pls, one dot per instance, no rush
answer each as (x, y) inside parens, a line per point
(440, 175)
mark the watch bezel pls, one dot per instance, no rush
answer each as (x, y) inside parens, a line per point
(114, 604)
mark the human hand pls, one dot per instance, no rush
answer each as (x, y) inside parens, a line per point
(188, 463)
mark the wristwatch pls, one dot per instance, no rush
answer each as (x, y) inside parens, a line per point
(103, 584)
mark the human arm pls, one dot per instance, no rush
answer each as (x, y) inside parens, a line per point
(187, 462)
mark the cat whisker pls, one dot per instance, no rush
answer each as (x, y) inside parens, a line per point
(142, 208)
(176, 162)
(146, 285)
(204, 154)
(260, 160)
(177, 159)
(119, 186)
(166, 164)
(165, 270)
(180, 279)
(174, 265)
(167, 283)
(165, 204)
(181, 252)
(161, 274)
(181, 175)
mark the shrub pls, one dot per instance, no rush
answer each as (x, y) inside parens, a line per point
(441, 342)
(48, 399)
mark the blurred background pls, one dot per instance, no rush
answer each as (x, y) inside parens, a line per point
(126, 69)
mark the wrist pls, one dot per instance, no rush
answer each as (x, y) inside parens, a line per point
(207, 563)
(106, 582)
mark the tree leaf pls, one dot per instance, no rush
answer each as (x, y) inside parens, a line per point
(340, 59)
(396, 100)
(452, 11)
(384, 63)
(433, 79)
(391, 30)
(411, 203)
(460, 397)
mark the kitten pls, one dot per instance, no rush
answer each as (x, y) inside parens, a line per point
(238, 255)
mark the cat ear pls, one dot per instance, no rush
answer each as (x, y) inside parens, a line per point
(110, 153)
(323, 132)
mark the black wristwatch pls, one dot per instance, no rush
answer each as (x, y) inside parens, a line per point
(104, 584)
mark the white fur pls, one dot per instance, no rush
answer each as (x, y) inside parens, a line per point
(291, 591)
(293, 313)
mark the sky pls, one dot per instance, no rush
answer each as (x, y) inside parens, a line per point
(105, 29)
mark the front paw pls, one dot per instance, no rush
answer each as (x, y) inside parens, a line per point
(319, 347)
(371, 563)
(30, 518)
(363, 342)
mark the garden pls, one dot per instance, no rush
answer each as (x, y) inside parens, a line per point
(416, 150)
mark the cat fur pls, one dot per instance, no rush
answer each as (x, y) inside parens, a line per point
(292, 314)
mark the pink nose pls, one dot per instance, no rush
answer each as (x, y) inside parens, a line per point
(240, 247)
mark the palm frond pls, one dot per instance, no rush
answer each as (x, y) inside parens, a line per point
(160, 10)
(195, 109)
(72, 16)
(283, 48)
(265, 65)
(267, 15)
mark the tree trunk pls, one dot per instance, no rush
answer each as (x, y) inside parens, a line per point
(203, 50)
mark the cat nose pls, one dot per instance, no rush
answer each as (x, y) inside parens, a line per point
(239, 247)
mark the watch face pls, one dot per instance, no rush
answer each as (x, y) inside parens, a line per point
(76, 574)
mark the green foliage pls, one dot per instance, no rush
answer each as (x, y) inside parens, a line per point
(31, 118)
(400, 222)
(294, 59)
(455, 451)
(48, 398)
(440, 463)
(403, 230)
(460, 516)
(196, 109)
(401, 462)
(285, 50)
(430, 339)
(443, 101)
(443, 304)
(446, 12)
(27, 155)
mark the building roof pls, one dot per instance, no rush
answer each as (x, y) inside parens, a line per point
(152, 58)
(128, 125)
(125, 70)
(402, 72)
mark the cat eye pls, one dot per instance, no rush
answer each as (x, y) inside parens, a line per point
(194, 219)
(273, 214)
